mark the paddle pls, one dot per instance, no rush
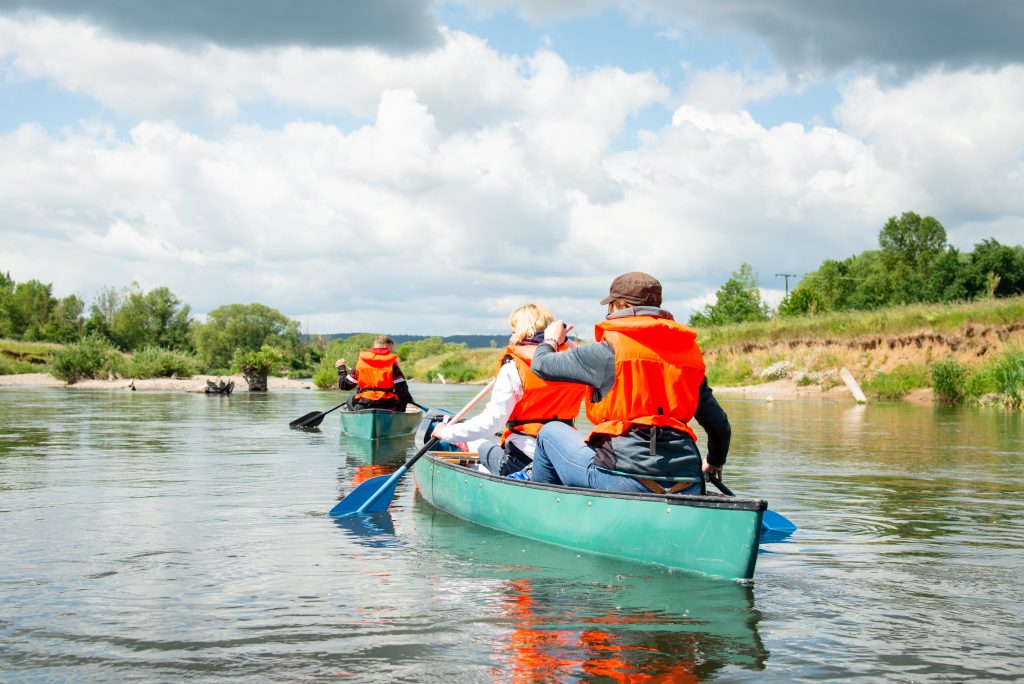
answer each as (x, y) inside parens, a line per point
(375, 495)
(313, 418)
(770, 522)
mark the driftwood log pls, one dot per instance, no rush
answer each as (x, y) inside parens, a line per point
(220, 387)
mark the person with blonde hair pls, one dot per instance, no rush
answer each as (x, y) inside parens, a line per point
(520, 400)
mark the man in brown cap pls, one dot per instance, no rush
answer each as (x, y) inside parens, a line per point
(646, 375)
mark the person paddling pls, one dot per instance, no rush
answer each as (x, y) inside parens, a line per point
(646, 375)
(520, 401)
(380, 381)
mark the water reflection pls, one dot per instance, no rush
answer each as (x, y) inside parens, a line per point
(375, 531)
(562, 614)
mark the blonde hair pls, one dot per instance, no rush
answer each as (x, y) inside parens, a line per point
(383, 341)
(528, 320)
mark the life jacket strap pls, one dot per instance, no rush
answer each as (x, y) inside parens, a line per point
(674, 489)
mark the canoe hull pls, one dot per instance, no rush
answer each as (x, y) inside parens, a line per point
(378, 423)
(708, 534)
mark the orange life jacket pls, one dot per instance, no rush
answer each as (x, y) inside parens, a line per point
(658, 373)
(375, 375)
(543, 401)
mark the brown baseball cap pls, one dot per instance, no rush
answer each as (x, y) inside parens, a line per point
(636, 288)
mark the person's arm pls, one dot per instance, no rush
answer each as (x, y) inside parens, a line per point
(346, 379)
(592, 364)
(401, 386)
(712, 417)
(506, 393)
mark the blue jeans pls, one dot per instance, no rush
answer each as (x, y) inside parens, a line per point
(562, 457)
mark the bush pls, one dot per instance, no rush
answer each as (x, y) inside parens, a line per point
(326, 375)
(92, 357)
(979, 383)
(1008, 377)
(949, 380)
(456, 368)
(894, 385)
(257, 363)
(154, 362)
(17, 366)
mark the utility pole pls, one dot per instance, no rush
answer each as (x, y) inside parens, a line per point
(787, 276)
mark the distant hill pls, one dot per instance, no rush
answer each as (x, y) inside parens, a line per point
(471, 341)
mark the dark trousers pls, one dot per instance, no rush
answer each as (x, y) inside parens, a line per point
(387, 404)
(503, 461)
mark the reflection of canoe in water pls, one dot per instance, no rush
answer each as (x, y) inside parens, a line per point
(391, 452)
(379, 423)
(575, 614)
(710, 534)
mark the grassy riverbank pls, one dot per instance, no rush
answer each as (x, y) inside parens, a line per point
(969, 352)
(964, 352)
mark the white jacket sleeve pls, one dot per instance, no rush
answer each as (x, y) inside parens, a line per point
(508, 390)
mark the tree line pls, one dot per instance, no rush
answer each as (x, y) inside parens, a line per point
(130, 332)
(913, 264)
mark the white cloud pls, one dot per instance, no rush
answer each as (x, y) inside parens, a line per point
(476, 183)
(726, 90)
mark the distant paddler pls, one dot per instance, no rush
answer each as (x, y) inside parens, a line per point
(380, 381)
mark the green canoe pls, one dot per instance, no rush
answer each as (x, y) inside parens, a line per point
(711, 534)
(379, 423)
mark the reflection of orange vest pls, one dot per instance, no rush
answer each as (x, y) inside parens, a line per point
(375, 375)
(542, 401)
(658, 373)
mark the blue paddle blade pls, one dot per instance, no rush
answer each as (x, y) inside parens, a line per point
(776, 522)
(355, 499)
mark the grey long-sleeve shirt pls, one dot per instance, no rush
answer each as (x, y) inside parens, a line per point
(594, 365)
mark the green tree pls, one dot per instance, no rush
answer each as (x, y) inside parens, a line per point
(243, 327)
(949, 278)
(991, 257)
(737, 301)
(6, 292)
(133, 319)
(65, 323)
(910, 245)
(29, 307)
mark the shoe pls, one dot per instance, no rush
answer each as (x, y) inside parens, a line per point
(524, 474)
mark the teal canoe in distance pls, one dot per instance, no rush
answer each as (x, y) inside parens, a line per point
(714, 535)
(379, 423)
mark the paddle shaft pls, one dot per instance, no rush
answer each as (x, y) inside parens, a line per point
(721, 486)
(316, 418)
(426, 447)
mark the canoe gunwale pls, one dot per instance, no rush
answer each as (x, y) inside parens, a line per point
(692, 500)
(366, 411)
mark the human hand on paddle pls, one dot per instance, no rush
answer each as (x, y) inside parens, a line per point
(715, 471)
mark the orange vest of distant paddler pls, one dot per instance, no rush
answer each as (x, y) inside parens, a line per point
(543, 401)
(658, 373)
(375, 376)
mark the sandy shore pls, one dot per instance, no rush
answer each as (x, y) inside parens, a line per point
(197, 383)
(778, 390)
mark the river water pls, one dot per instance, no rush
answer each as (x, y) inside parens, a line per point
(169, 536)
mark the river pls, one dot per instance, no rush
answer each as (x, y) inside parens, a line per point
(156, 536)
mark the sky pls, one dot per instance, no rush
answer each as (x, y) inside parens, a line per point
(424, 167)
